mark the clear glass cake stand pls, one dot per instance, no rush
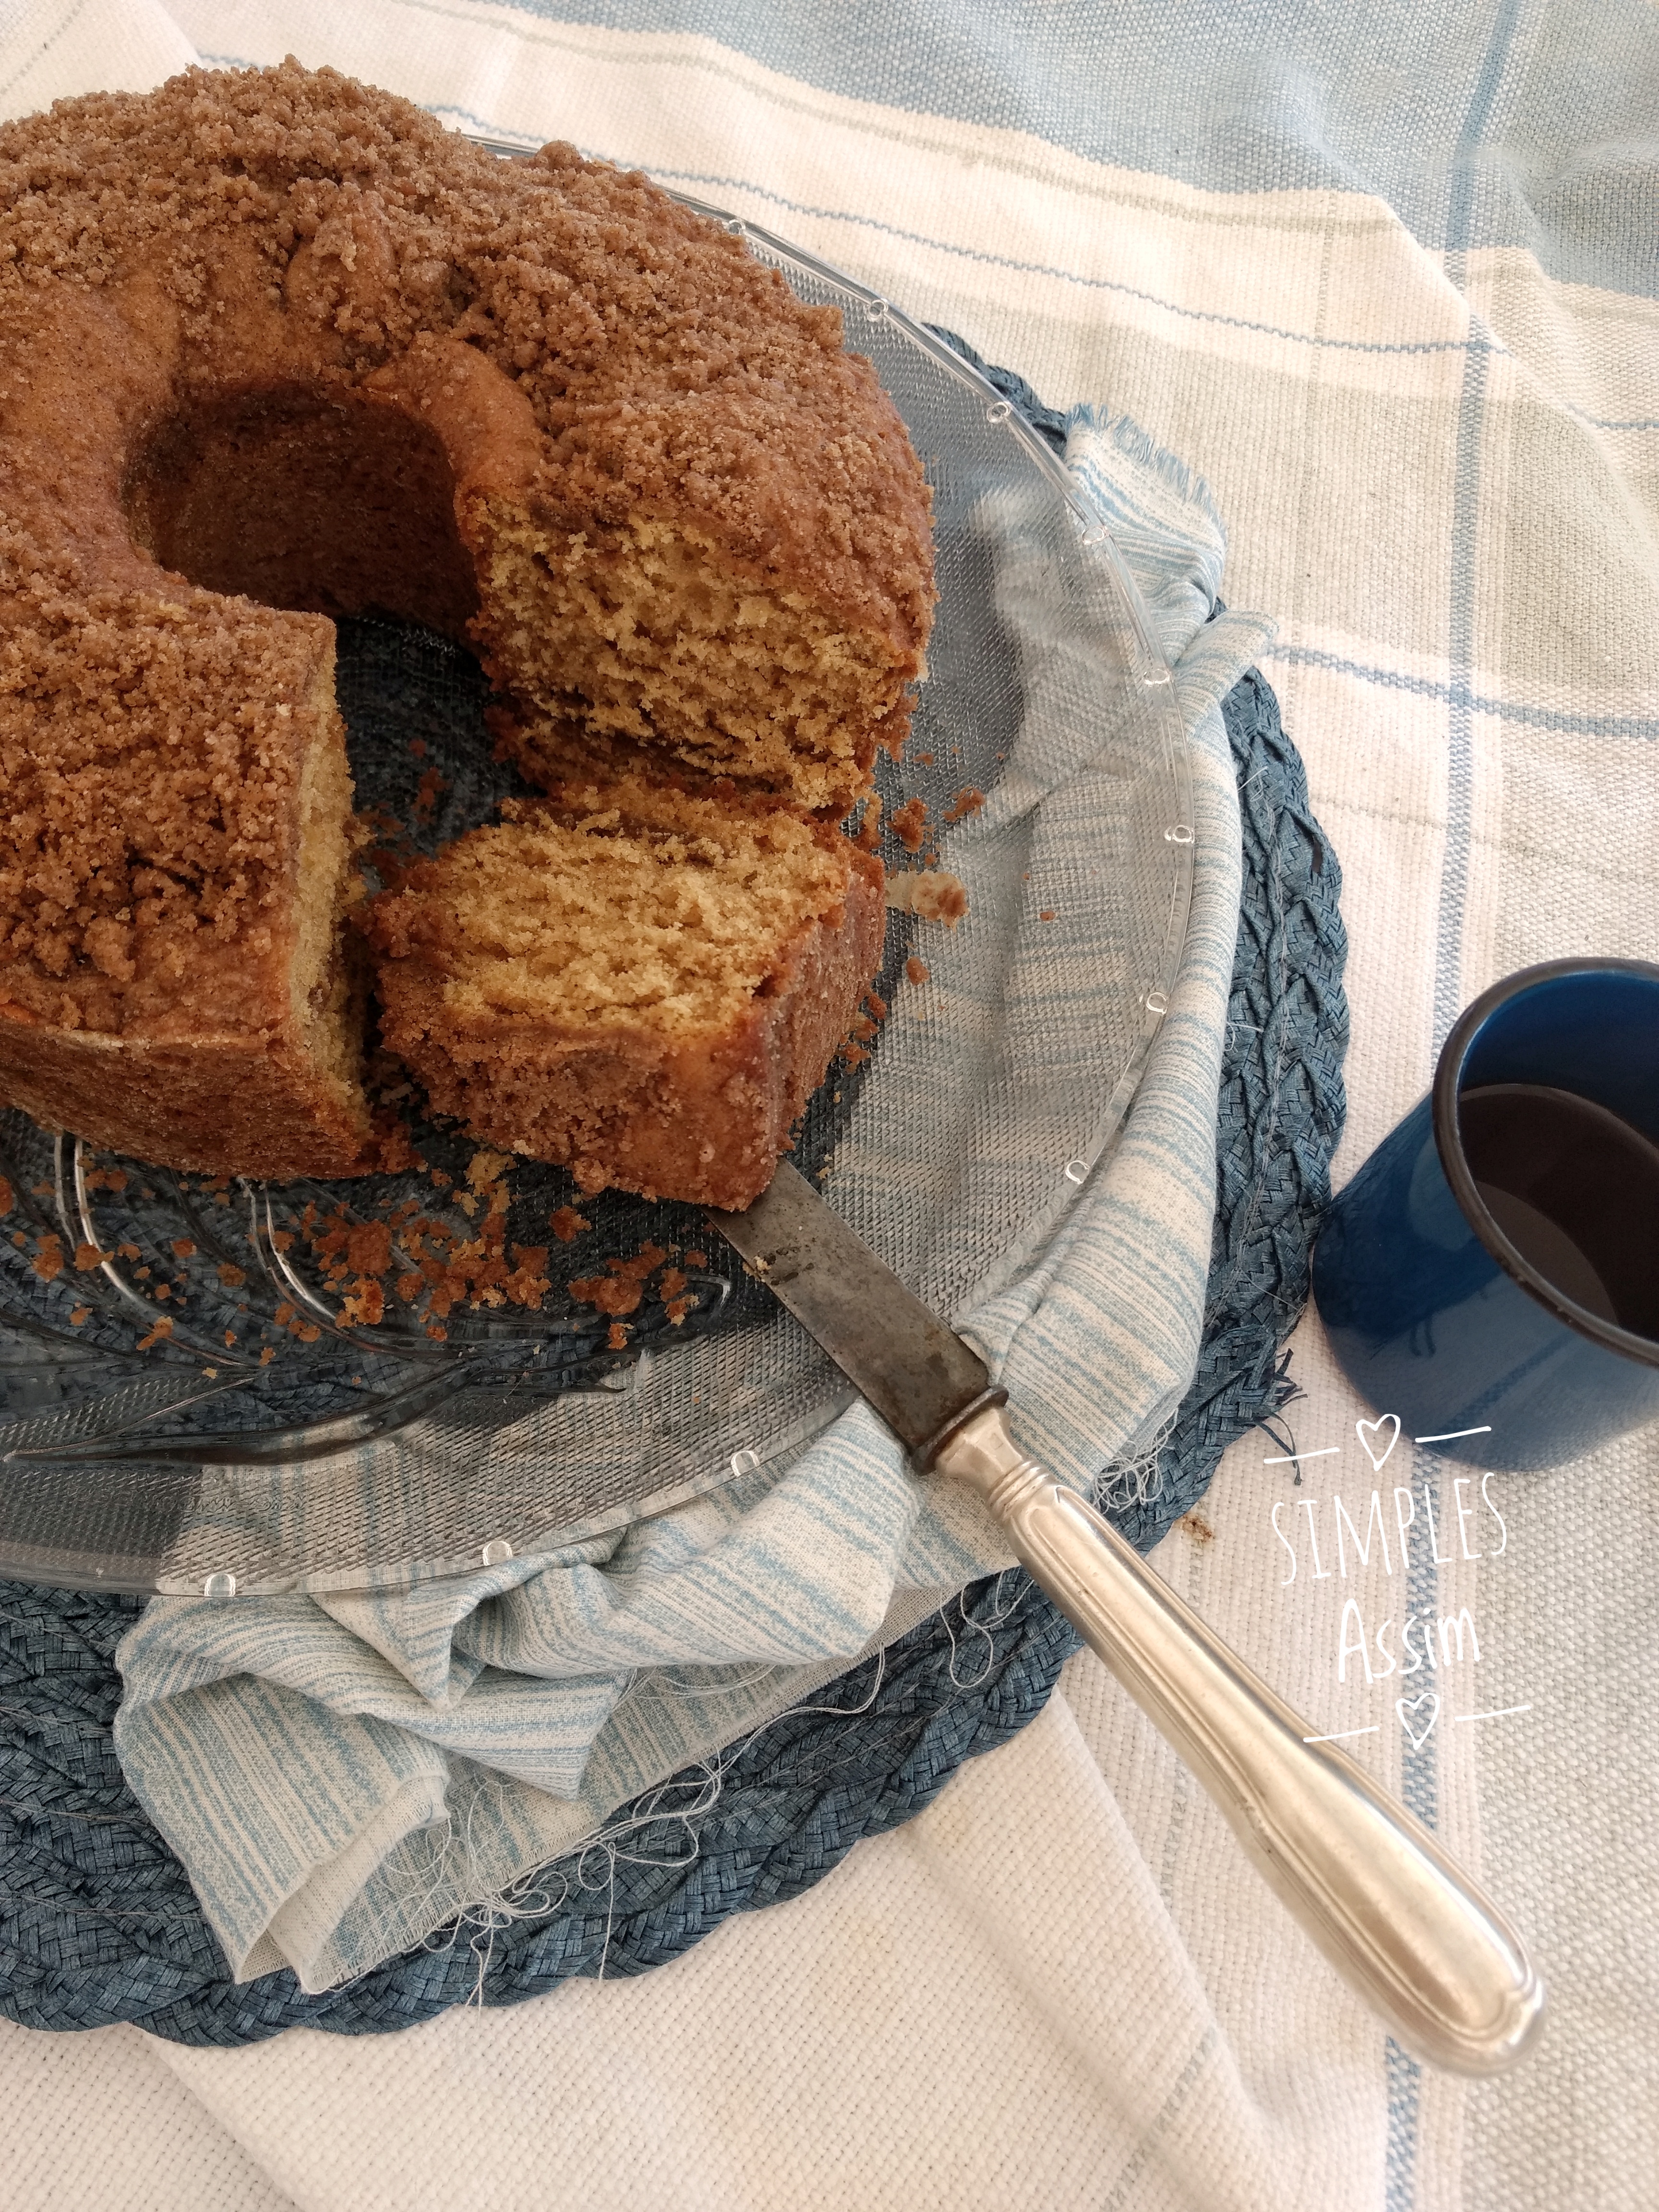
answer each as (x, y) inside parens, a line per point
(226, 1403)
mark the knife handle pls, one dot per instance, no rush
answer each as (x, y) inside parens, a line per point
(1405, 1929)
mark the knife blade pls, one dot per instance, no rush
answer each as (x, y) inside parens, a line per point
(918, 1374)
(1388, 1906)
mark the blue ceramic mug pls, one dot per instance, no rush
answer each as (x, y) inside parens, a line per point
(1492, 1274)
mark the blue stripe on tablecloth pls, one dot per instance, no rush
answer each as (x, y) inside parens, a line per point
(1420, 1786)
(1461, 227)
(1419, 1780)
(1460, 733)
(1419, 1777)
(1405, 2082)
(1479, 703)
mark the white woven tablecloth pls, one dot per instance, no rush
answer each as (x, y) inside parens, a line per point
(1387, 281)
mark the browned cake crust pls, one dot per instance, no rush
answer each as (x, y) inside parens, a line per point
(173, 862)
(272, 337)
(644, 986)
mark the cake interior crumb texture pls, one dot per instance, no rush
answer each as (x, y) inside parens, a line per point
(631, 978)
(638, 906)
(276, 348)
(650, 642)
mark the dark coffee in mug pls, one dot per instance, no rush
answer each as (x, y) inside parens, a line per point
(1576, 1190)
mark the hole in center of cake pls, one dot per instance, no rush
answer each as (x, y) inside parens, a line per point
(324, 500)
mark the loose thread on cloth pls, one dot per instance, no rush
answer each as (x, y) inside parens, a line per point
(706, 1780)
(98, 1923)
(1139, 1480)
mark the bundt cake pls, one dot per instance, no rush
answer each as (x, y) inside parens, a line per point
(275, 347)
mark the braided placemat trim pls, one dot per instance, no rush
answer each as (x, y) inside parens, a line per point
(98, 1921)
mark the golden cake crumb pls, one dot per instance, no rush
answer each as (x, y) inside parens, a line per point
(931, 894)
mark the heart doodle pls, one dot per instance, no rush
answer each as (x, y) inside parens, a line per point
(1408, 1708)
(1367, 1431)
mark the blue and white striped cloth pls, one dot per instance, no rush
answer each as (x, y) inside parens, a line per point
(340, 1775)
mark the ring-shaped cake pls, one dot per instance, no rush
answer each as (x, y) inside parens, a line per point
(276, 348)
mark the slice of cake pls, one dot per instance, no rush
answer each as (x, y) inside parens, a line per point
(643, 985)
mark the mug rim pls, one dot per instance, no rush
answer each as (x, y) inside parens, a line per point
(1455, 1167)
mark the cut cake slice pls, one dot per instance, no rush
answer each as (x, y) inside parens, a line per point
(643, 985)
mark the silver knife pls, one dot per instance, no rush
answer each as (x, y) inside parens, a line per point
(1402, 1926)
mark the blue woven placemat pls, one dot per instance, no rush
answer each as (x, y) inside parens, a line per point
(98, 1921)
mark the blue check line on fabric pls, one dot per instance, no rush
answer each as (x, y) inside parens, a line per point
(1466, 175)
(1419, 1777)
(1479, 702)
(1065, 276)
(1405, 2082)
(1610, 422)
(1460, 719)
(1420, 1787)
